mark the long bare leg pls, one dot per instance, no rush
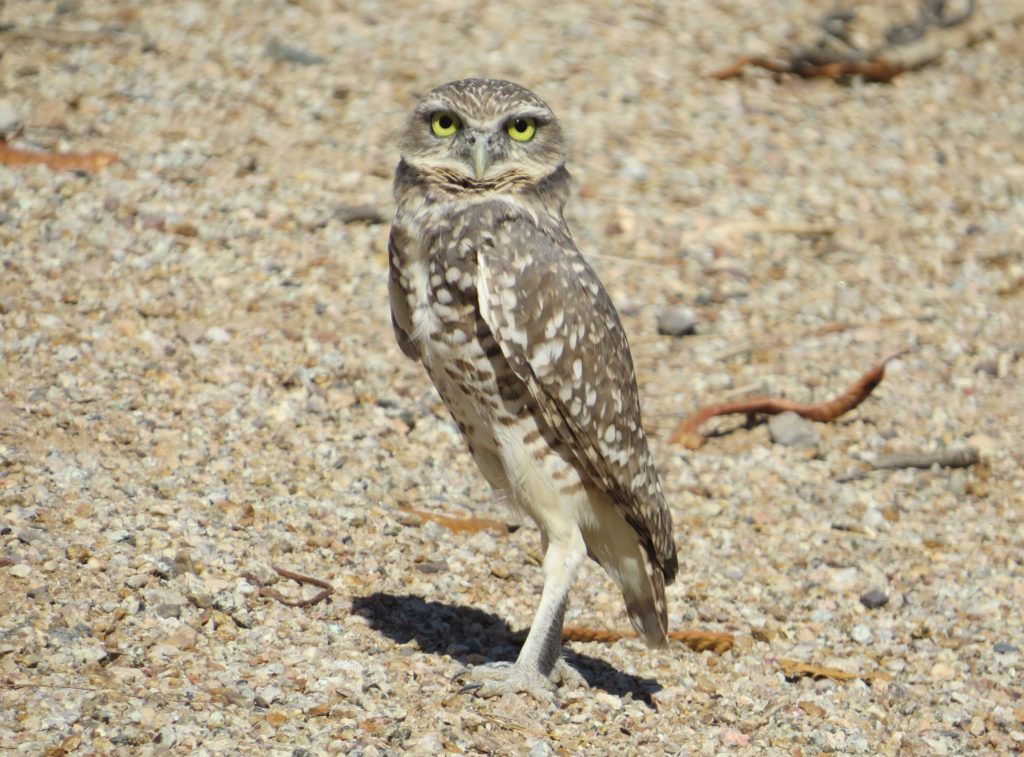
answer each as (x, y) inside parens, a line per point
(539, 661)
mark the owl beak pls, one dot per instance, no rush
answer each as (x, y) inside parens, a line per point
(481, 158)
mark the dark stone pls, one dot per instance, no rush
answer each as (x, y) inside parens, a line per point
(874, 599)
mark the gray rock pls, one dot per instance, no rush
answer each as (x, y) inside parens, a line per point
(874, 599)
(861, 634)
(285, 53)
(29, 535)
(10, 117)
(790, 430)
(137, 581)
(843, 579)
(167, 737)
(168, 610)
(676, 321)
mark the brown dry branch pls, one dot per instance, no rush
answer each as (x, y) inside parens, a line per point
(469, 525)
(68, 161)
(687, 433)
(880, 71)
(265, 591)
(698, 641)
(961, 457)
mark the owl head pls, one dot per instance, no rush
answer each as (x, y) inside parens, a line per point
(483, 132)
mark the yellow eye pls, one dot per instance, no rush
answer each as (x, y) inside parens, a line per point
(522, 129)
(444, 124)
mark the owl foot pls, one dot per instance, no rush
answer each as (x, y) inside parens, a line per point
(498, 678)
(567, 677)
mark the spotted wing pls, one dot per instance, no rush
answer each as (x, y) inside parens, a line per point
(401, 316)
(561, 334)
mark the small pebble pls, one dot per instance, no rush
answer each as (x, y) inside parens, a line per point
(676, 321)
(20, 570)
(791, 430)
(48, 114)
(10, 117)
(168, 610)
(285, 53)
(861, 634)
(167, 737)
(137, 581)
(29, 535)
(874, 599)
(843, 579)
(217, 335)
(77, 552)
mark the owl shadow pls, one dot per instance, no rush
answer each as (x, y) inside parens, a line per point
(465, 633)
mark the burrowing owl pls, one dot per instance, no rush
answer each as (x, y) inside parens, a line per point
(527, 351)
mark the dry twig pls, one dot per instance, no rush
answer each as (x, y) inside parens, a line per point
(687, 433)
(265, 591)
(871, 70)
(698, 641)
(69, 161)
(961, 457)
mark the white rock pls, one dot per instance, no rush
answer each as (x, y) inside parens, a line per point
(861, 634)
(217, 335)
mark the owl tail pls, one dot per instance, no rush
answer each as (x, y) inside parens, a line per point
(616, 547)
(645, 603)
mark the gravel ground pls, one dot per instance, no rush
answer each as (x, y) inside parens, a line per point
(199, 382)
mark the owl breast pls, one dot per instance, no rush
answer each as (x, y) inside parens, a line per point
(519, 454)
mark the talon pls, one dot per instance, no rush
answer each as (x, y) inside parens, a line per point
(496, 679)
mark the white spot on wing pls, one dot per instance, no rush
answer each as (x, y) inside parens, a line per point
(545, 355)
(554, 324)
(516, 335)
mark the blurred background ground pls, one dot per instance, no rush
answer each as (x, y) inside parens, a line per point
(198, 381)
